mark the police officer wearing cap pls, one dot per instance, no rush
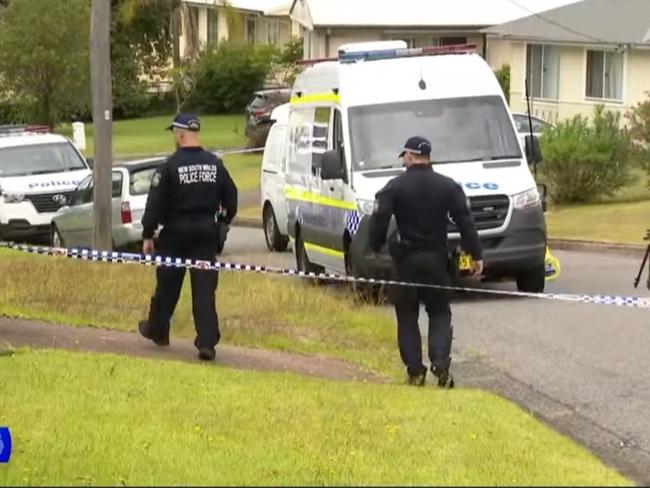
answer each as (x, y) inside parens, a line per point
(421, 201)
(187, 193)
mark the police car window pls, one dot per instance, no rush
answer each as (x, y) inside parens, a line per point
(118, 180)
(141, 181)
(39, 159)
(460, 130)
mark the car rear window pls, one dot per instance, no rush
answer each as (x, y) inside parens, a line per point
(258, 102)
(141, 181)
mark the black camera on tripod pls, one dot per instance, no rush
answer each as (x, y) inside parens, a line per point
(643, 263)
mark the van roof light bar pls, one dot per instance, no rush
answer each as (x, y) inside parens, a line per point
(407, 53)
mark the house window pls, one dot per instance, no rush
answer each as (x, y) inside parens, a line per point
(250, 30)
(213, 25)
(193, 25)
(274, 31)
(605, 75)
(451, 41)
(543, 71)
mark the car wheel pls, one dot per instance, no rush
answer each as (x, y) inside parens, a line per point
(364, 292)
(275, 241)
(56, 238)
(302, 261)
(532, 280)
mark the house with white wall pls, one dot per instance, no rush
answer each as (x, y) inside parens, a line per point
(576, 56)
(257, 21)
(328, 24)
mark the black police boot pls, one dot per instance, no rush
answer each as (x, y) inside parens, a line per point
(207, 354)
(145, 332)
(445, 379)
(417, 379)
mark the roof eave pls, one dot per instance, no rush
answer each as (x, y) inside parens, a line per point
(567, 42)
(477, 28)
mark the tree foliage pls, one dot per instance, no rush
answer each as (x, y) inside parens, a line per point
(583, 161)
(44, 56)
(140, 44)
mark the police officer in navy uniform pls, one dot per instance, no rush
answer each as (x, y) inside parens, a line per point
(421, 201)
(187, 193)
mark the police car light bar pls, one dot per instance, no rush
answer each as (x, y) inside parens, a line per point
(406, 53)
(23, 129)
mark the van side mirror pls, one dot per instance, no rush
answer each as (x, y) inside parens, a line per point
(533, 150)
(331, 165)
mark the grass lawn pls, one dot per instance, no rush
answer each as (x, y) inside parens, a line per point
(285, 314)
(143, 137)
(622, 218)
(244, 170)
(611, 222)
(251, 213)
(107, 420)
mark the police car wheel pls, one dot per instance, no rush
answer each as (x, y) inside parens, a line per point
(532, 280)
(275, 241)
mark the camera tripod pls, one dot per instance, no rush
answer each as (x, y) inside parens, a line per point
(643, 263)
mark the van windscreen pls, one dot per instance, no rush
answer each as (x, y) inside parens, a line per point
(460, 130)
(39, 159)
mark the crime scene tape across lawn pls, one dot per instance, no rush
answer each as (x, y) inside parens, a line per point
(162, 261)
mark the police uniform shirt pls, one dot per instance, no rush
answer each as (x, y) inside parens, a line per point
(422, 202)
(192, 182)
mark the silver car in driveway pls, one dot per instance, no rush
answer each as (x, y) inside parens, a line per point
(72, 225)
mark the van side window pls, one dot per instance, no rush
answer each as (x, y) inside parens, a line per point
(300, 128)
(320, 136)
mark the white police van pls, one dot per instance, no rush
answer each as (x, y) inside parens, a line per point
(38, 173)
(371, 99)
(272, 201)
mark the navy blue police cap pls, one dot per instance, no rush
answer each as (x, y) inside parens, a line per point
(417, 145)
(186, 121)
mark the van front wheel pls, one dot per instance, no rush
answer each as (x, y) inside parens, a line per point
(532, 280)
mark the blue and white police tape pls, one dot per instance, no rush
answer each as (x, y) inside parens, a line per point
(162, 261)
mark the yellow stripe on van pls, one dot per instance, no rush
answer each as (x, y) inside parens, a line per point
(316, 98)
(324, 250)
(305, 196)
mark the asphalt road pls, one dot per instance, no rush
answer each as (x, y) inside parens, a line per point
(592, 359)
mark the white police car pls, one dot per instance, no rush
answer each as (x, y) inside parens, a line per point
(38, 173)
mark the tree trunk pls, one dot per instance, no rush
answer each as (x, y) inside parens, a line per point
(176, 47)
(100, 77)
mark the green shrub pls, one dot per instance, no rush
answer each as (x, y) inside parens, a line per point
(228, 75)
(585, 162)
(639, 125)
(503, 75)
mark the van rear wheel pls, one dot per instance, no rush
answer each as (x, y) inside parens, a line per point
(275, 241)
(532, 280)
(302, 260)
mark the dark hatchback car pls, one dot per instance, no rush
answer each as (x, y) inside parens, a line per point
(258, 111)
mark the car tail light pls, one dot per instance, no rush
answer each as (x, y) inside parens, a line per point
(126, 213)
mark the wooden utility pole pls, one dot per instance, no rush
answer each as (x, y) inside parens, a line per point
(102, 99)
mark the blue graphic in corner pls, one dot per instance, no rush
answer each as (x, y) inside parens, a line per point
(5, 445)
